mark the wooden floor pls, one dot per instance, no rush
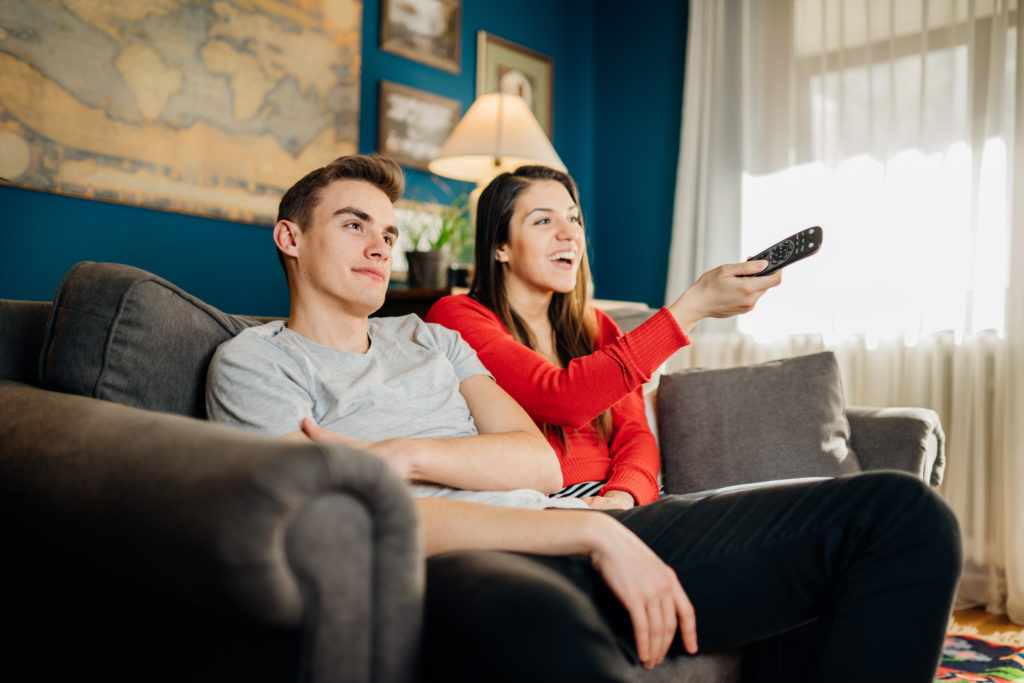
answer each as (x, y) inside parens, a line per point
(996, 628)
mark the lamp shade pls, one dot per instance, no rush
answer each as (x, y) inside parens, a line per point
(499, 133)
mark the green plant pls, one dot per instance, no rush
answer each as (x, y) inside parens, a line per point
(455, 228)
(465, 237)
(431, 226)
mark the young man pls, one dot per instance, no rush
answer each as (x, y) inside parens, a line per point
(584, 592)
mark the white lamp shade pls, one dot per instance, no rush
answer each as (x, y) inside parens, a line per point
(499, 133)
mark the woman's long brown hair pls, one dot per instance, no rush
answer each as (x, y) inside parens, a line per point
(571, 317)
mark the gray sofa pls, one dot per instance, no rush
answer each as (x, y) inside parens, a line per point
(144, 543)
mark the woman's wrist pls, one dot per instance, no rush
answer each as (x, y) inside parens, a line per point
(686, 314)
(620, 496)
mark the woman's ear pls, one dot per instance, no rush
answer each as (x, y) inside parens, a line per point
(287, 236)
(501, 253)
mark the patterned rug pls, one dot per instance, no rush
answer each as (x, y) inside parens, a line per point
(972, 660)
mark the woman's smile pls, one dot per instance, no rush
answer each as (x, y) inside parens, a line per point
(565, 259)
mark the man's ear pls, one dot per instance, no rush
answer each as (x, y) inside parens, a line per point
(287, 236)
(501, 253)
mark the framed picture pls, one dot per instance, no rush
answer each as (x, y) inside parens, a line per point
(413, 124)
(425, 31)
(216, 118)
(503, 66)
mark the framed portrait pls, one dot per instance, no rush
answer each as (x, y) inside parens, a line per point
(503, 66)
(413, 124)
(425, 31)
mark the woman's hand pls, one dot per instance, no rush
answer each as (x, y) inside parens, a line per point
(612, 500)
(650, 591)
(722, 293)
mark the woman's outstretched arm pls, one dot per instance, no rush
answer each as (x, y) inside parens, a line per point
(572, 396)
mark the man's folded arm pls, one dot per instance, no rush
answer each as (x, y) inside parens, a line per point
(508, 453)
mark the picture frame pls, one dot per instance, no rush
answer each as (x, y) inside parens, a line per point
(425, 31)
(220, 136)
(503, 66)
(412, 124)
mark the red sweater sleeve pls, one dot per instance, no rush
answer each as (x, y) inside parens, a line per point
(635, 460)
(571, 396)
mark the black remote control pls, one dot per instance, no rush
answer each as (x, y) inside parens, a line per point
(789, 250)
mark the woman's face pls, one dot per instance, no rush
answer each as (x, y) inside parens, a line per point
(545, 241)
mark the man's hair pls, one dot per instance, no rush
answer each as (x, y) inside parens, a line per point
(299, 202)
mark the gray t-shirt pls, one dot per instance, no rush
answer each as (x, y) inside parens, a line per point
(268, 378)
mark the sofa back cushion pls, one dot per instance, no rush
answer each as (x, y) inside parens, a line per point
(780, 420)
(125, 335)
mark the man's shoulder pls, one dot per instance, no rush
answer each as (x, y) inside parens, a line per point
(410, 328)
(396, 324)
(400, 334)
(256, 340)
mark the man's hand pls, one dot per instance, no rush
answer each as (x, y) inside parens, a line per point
(721, 293)
(477, 462)
(611, 500)
(647, 587)
(399, 454)
(650, 591)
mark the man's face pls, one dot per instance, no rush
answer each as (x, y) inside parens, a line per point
(344, 256)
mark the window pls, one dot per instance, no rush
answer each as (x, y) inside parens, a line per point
(897, 149)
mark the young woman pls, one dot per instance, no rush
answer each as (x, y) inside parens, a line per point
(528, 316)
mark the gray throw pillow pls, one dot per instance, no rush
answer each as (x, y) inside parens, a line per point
(125, 335)
(779, 420)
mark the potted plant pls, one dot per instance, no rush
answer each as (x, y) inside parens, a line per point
(437, 239)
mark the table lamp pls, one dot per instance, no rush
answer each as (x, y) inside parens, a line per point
(499, 133)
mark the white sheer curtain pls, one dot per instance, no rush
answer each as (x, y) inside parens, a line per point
(892, 124)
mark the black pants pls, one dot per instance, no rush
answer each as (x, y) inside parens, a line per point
(855, 574)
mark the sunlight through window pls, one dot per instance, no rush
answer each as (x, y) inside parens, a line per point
(903, 252)
(915, 241)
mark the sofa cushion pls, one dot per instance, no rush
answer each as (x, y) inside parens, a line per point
(125, 335)
(23, 324)
(779, 420)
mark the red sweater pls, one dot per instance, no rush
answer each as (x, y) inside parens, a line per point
(612, 376)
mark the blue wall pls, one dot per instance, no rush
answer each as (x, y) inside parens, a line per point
(230, 265)
(638, 114)
(617, 83)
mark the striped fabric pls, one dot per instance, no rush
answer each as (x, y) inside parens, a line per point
(584, 488)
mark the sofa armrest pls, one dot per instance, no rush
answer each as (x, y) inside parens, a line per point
(908, 439)
(319, 538)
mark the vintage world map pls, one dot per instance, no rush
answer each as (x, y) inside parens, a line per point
(211, 107)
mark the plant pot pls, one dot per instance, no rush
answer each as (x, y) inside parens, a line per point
(460, 275)
(427, 269)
